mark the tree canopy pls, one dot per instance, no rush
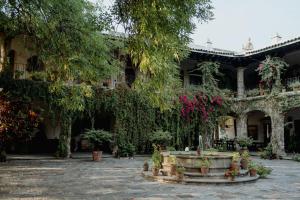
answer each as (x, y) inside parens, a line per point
(159, 32)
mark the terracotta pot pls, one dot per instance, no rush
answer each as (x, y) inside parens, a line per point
(146, 167)
(242, 150)
(252, 172)
(234, 166)
(204, 170)
(179, 176)
(244, 164)
(231, 178)
(97, 155)
(173, 170)
(155, 171)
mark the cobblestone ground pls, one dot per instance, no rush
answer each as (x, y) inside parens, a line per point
(121, 179)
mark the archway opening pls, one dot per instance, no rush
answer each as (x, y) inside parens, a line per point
(259, 128)
(292, 130)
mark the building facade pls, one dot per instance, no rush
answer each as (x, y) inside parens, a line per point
(266, 118)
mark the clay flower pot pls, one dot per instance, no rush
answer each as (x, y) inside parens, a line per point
(244, 164)
(97, 155)
(145, 167)
(204, 170)
(252, 172)
(234, 166)
(231, 178)
(155, 171)
(179, 176)
(173, 170)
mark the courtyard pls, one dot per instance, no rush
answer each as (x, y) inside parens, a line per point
(80, 178)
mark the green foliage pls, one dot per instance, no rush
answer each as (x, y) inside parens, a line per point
(97, 137)
(270, 71)
(172, 159)
(180, 169)
(160, 137)
(244, 141)
(296, 158)
(236, 157)
(252, 165)
(158, 38)
(204, 162)
(252, 93)
(126, 149)
(245, 155)
(263, 171)
(267, 153)
(156, 157)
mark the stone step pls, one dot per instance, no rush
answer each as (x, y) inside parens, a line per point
(212, 174)
(201, 180)
(243, 179)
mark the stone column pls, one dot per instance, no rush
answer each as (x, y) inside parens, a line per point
(241, 125)
(240, 82)
(186, 79)
(2, 52)
(277, 138)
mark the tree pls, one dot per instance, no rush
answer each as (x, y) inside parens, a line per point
(67, 36)
(158, 35)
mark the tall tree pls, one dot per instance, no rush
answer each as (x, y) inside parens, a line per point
(67, 35)
(159, 32)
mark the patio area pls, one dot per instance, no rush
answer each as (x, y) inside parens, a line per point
(43, 177)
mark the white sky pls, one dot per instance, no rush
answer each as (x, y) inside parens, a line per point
(237, 20)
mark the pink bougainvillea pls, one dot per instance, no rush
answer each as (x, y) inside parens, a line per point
(200, 103)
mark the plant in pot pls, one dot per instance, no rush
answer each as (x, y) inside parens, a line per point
(235, 160)
(156, 160)
(180, 172)
(244, 142)
(160, 138)
(245, 158)
(204, 166)
(172, 162)
(145, 166)
(96, 138)
(233, 174)
(263, 171)
(252, 168)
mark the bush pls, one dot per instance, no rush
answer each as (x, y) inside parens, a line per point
(160, 137)
(126, 149)
(263, 171)
(244, 141)
(97, 137)
(267, 153)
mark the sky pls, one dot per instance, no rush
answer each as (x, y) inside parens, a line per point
(237, 20)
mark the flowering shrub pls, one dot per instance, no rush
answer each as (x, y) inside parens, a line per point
(200, 103)
(17, 119)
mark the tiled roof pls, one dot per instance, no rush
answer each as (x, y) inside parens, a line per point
(227, 53)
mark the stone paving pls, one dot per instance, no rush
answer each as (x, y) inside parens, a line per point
(121, 179)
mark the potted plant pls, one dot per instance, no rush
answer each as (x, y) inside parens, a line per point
(172, 161)
(204, 165)
(245, 157)
(231, 174)
(244, 142)
(180, 172)
(252, 168)
(156, 160)
(263, 171)
(235, 160)
(145, 166)
(96, 138)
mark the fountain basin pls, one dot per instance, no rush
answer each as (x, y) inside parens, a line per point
(220, 161)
